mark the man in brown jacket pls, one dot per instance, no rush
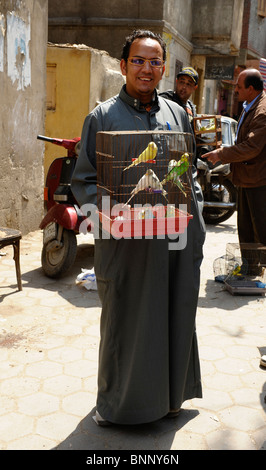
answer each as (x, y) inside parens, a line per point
(248, 158)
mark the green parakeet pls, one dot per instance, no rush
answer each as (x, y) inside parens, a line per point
(177, 169)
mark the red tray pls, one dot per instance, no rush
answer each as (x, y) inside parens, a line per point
(157, 220)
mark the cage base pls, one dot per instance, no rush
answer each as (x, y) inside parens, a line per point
(244, 287)
(145, 222)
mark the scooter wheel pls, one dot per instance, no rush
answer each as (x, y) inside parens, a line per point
(225, 192)
(57, 262)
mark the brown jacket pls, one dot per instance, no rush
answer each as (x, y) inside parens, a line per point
(248, 156)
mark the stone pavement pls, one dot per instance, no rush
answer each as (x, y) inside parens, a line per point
(49, 337)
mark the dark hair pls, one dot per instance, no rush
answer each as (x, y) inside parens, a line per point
(138, 34)
(254, 78)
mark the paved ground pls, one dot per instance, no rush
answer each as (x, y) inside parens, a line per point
(49, 336)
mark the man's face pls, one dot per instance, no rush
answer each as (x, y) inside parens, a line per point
(240, 90)
(184, 87)
(141, 81)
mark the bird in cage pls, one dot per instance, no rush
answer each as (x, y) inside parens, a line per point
(236, 270)
(177, 169)
(149, 182)
(149, 153)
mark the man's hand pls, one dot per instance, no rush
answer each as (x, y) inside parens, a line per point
(212, 157)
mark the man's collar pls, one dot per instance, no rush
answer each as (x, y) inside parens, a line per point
(247, 105)
(134, 102)
(181, 103)
(178, 100)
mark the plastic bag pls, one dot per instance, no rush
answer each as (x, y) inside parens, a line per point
(87, 279)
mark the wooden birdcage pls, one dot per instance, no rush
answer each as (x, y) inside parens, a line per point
(208, 130)
(149, 168)
(253, 253)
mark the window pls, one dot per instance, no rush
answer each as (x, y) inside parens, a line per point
(51, 86)
(262, 8)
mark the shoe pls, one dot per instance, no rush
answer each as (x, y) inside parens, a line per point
(173, 413)
(263, 361)
(100, 421)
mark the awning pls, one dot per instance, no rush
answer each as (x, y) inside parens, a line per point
(262, 69)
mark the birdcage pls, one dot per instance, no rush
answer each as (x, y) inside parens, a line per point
(242, 275)
(253, 253)
(208, 130)
(227, 267)
(146, 176)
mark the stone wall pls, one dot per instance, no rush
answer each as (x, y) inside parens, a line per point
(23, 41)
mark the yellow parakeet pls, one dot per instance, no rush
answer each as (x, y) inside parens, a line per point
(236, 271)
(149, 153)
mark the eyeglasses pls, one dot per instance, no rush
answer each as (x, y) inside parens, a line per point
(139, 61)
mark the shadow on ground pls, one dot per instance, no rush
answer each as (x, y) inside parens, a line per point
(66, 285)
(153, 436)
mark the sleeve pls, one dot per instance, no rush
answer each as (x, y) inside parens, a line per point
(196, 188)
(251, 147)
(84, 179)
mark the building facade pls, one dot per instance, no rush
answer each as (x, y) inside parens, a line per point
(252, 50)
(78, 78)
(203, 33)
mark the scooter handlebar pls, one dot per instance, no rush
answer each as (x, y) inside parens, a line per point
(68, 144)
(43, 137)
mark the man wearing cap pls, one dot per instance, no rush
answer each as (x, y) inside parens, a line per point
(186, 84)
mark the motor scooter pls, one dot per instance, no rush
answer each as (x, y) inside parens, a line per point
(219, 193)
(63, 217)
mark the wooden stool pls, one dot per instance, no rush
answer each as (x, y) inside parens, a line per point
(8, 236)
